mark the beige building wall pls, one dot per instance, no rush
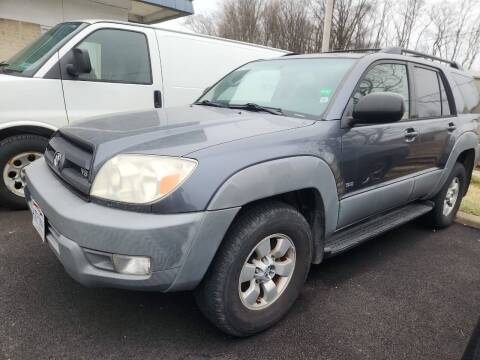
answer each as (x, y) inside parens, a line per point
(22, 21)
(15, 35)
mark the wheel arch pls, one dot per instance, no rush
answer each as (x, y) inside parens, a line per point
(305, 182)
(465, 150)
(467, 158)
(27, 128)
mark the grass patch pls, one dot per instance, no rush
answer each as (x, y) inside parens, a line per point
(471, 202)
(475, 180)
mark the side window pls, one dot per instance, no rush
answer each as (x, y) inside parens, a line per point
(385, 78)
(427, 93)
(445, 104)
(467, 87)
(118, 56)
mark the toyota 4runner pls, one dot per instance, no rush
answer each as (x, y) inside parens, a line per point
(279, 165)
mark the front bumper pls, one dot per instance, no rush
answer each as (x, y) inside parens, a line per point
(84, 235)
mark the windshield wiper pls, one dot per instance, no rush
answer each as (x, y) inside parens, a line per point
(256, 107)
(209, 103)
(4, 63)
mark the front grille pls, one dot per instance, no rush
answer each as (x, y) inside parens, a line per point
(71, 160)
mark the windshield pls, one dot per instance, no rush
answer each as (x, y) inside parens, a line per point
(297, 87)
(31, 58)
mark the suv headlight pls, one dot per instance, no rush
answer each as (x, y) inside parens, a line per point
(141, 179)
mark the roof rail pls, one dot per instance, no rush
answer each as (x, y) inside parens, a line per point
(352, 51)
(400, 51)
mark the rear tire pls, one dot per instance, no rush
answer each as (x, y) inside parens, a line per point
(16, 152)
(277, 231)
(448, 200)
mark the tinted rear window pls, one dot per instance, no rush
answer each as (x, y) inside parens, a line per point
(469, 91)
(428, 93)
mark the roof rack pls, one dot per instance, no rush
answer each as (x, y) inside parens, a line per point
(400, 51)
(353, 51)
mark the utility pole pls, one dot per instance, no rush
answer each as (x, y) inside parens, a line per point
(327, 25)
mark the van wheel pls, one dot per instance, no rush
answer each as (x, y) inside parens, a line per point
(16, 152)
(448, 200)
(258, 271)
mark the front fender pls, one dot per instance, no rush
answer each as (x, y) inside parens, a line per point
(277, 177)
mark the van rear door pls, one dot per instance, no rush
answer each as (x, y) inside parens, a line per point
(125, 74)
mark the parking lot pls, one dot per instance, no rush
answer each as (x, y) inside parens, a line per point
(410, 294)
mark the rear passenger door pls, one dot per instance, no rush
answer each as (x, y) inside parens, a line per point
(433, 118)
(125, 76)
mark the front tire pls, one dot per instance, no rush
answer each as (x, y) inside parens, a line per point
(258, 271)
(16, 152)
(448, 200)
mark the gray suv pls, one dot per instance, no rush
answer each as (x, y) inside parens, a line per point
(279, 165)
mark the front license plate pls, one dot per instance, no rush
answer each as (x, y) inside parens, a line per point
(38, 219)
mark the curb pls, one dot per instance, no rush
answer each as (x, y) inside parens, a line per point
(468, 220)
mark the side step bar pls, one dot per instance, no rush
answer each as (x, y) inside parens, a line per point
(370, 228)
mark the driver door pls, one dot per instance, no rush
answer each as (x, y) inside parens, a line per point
(125, 74)
(377, 161)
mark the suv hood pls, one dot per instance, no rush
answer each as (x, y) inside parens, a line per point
(175, 131)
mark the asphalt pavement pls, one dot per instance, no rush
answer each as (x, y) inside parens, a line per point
(410, 294)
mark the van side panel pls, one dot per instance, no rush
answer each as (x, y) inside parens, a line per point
(192, 63)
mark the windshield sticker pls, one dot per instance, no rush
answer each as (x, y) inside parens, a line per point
(323, 99)
(325, 91)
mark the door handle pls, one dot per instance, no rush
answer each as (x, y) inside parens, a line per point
(410, 135)
(451, 127)
(157, 99)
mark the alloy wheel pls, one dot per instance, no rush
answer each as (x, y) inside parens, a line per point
(267, 272)
(451, 197)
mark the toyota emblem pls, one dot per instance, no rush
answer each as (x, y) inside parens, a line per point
(57, 158)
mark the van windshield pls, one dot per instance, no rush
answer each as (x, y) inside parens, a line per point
(294, 87)
(31, 58)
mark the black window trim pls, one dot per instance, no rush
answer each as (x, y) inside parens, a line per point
(440, 77)
(57, 72)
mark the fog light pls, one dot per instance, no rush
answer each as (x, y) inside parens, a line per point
(131, 265)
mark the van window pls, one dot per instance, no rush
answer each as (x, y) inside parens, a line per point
(385, 78)
(428, 93)
(118, 56)
(469, 91)
(29, 60)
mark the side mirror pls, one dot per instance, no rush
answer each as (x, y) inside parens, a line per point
(81, 63)
(378, 108)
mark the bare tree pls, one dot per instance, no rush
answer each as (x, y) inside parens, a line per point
(473, 45)
(448, 29)
(349, 25)
(202, 24)
(404, 23)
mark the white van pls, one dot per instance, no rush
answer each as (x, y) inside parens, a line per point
(87, 68)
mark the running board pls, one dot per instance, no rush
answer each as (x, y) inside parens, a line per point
(356, 234)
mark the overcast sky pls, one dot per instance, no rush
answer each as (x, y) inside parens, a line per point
(200, 6)
(208, 6)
